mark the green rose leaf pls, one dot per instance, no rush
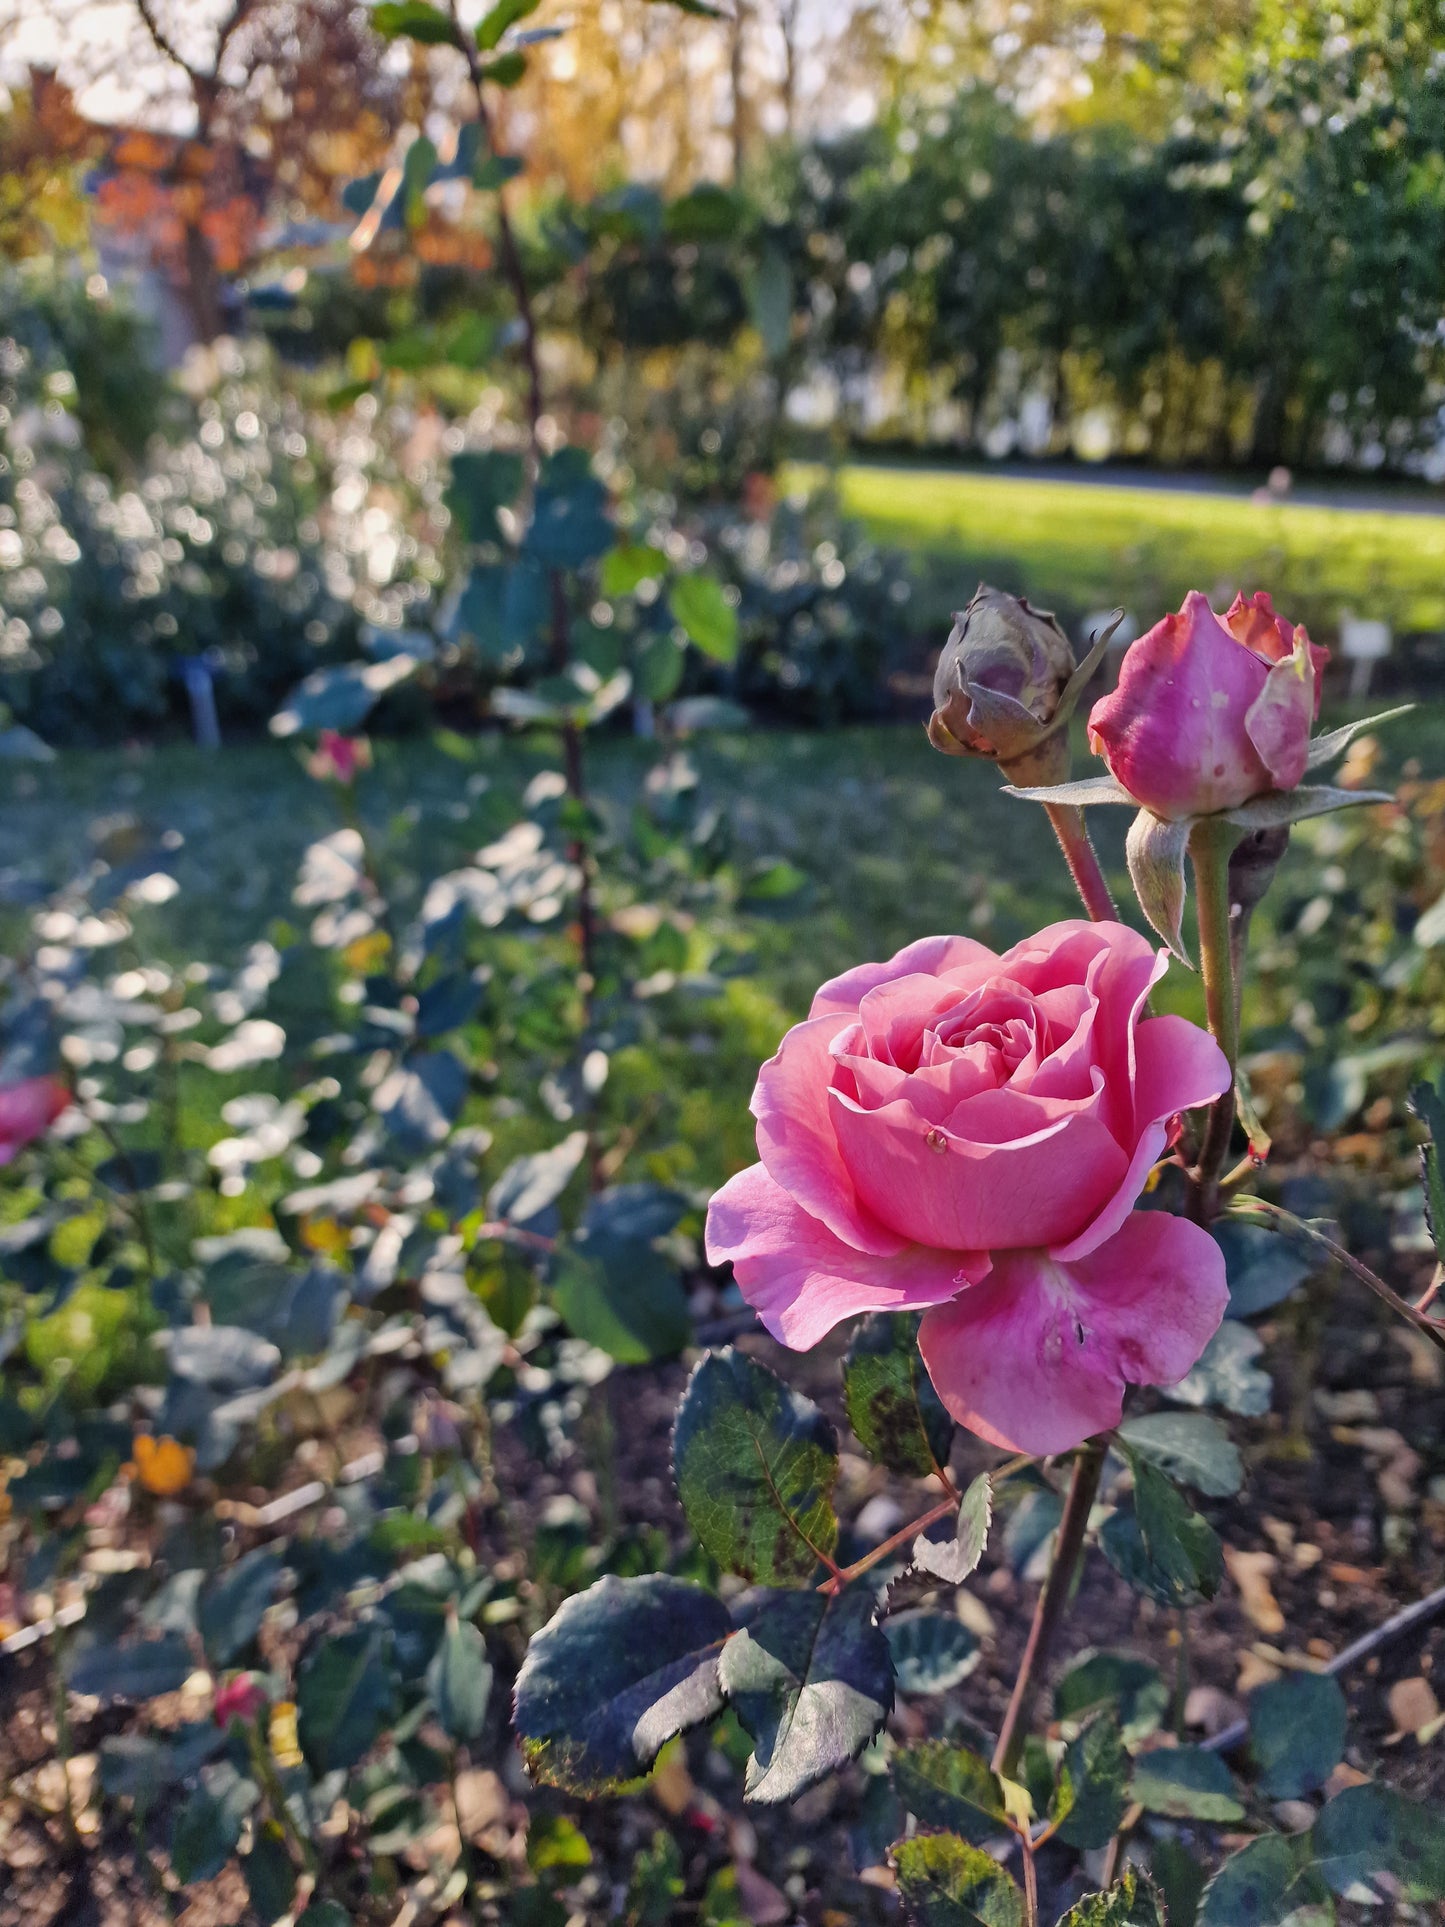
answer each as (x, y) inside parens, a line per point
(1227, 1375)
(459, 1680)
(619, 1670)
(1133, 1902)
(414, 20)
(234, 1604)
(954, 1559)
(1133, 1688)
(1269, 1882)
(932, 1652)
(1262, 1266)
(208, 1826)
(1092, 1790)
(1297, 1733)
(1185, 1783)
(896, 1415)
(139, 1672)
(950, 1787)
(755, 1464)
(1189, 1446)
(1163, 1547)
(622, 1296)
(945, 1882)
(1428, 1104)
(269, 1873)
(345, 1695)
(811, 1679)
(496, 20)
(1371, 1842)
(701, 607)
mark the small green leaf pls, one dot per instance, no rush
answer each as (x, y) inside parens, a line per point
(345, 1694)
(1132, 1688)
(1297, 1728)
(1134, 1902)
(140, 1672)
(1371, 1841)
(945, 1882)
(1163, 1547)
(506, 70)
(1227, 1375)
(1185, 1783)
(811, 1679)
(1189, 1446)
(619, 1670)
(208, 1826)
(1428, 1104)
(703, 610)
(1262, 1266)
(234, 1604)
(270, 1874)
(1267, 1883)
(414, 20)
(459, 1680)
(657, 1883)
(1181, 1880)
(483, 480)
(555, 1844)
(496, 20)
(950, 1787)
(1093, 1776)
(624, 1297)
(628, 567)
(896, 1415)
(932, 1652)
(755, 1464)
(954, 1559)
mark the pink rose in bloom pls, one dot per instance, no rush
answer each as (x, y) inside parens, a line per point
(1211, 711)
(968, 1133)
(338, 758)
(240, 1698)
(27, 1111)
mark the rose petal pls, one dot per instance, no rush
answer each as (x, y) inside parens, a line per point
(802, 1281)
(796, 1139)
(1173, 732)
(1278, 721)
(933, 1186)
(930, 956)
(1176, 1066)
(1036, 1358)
(27, 1110)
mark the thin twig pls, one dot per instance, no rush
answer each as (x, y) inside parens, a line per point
(1432, 1328)
(1385, 1634)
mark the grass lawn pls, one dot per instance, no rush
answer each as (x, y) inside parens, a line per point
(1082, 546)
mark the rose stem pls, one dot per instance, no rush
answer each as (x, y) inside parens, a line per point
(1210, 844)
(1082, 859)
(1049, 1613)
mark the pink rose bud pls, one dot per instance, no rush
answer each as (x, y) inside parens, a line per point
(966, 1135)
(240, 1698)
(1211, 711)
(27, 1111)
(338, 758)
(999, 687)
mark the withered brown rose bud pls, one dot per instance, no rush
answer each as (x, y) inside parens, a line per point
(1006, 684)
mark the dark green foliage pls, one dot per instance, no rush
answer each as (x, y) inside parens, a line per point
(811, 1679)
(1372, 1840)
(1190, 1447)
(345, 1693)
(459, 1681)
(233, 1605)
(1132, 1687)
(1162, 1546)
(892, 1407)
(619, 1670)
(1092, 1789)
(1134, 1902)
(1296, 1733)
(1263, 1885)
(1186, 1783)
(932, 1651)
(950, 1788)
(755, 1465)
(945, 1882)
(1428, 1104)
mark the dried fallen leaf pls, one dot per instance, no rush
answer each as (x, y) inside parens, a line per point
(1413, 1706)
(1250, 1572)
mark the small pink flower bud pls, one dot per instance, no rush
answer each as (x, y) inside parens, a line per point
(240, 1698)
(1211, 711)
